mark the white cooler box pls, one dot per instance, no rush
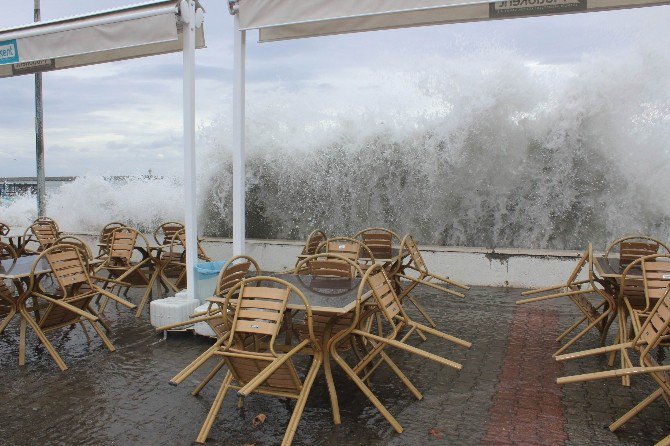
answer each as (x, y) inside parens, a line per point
(203, 328)
(172, 310)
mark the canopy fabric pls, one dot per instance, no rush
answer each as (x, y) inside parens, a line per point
(293, 19)
(135, 31)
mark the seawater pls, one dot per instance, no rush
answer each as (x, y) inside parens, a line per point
(475, 149)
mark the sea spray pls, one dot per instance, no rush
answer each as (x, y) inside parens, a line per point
(477, 149)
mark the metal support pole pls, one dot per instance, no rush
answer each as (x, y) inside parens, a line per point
(39, 134)
(239, 224)
(191, 217)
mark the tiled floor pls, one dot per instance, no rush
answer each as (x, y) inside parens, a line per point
(505, 393)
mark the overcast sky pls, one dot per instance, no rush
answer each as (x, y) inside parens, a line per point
(125, 118)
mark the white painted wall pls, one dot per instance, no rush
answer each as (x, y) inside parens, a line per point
(515, 268)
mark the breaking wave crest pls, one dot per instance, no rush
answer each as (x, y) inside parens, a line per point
(482, 149)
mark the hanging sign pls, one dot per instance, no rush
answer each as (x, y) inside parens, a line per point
(9, 52)
(521, 8)
(35, 66)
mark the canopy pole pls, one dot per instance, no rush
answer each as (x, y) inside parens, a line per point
(39, 134)
(191, 218)
(239, 224)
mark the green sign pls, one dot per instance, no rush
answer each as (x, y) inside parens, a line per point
(522, 8)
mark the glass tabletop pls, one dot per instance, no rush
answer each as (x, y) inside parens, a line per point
(325, 294)
(22, 267)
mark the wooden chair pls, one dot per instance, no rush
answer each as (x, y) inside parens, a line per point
(352, 249)
(421, 276)
(388, 306)
(4, 228)
(70, 304)
(45, 232)
(331, 266)
(217, 314)
(173, 262)
(599, 316)
(653, 284)
(78, 243)
(633, 247)
(258, 315)
(7, 292)
(164, 234)
(125, 271)
(653, 333)
(314, 239)
(379, 240)
(106, 236)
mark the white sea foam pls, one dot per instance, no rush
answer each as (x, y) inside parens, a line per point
(479, 149)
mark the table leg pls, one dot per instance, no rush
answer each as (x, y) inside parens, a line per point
(328, 372)
(22, 342)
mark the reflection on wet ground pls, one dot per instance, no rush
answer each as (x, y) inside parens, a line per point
(503, 395)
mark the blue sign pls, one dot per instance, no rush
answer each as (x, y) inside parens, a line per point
(9, 52)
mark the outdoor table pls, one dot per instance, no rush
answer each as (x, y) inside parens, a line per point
(334, 297)
(611, 270)
(20, 271)
(15, 239)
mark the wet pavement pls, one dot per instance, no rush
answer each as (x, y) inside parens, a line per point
(505, 393)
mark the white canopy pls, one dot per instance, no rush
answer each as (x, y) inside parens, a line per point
(147, 29)
(124, 33)
(292, 19)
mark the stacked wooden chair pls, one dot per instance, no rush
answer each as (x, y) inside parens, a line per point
(654, 332)
(633, 247)
(597, 316)
(414, 271)
(255, 366)
(388, 307)
(352, 249)
(106, 236)
(70, 304)
(314, 240)
(124, 270)
(379, 240)
(44, 231)
(217, 314)
(7, 292)
(4, 228)
(173, 261)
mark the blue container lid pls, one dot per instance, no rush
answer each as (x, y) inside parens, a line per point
(210, 268)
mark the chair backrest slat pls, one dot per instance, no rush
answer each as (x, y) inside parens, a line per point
(380, 242)
(260, 310)
(122, 244)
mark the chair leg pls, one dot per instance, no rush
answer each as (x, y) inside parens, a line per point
(83, 327)
(300, 404)
(147, 295)
(570, 329)
(367, 392)
(22, 342)
(196, 363)
(103, 336)
(43, 339)
(635, 410)
(214, 410)
(208, 378)
(422, 311)
(580, 334)
(7, 319)
(405, 380)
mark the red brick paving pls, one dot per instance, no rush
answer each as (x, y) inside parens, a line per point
(527, 408)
